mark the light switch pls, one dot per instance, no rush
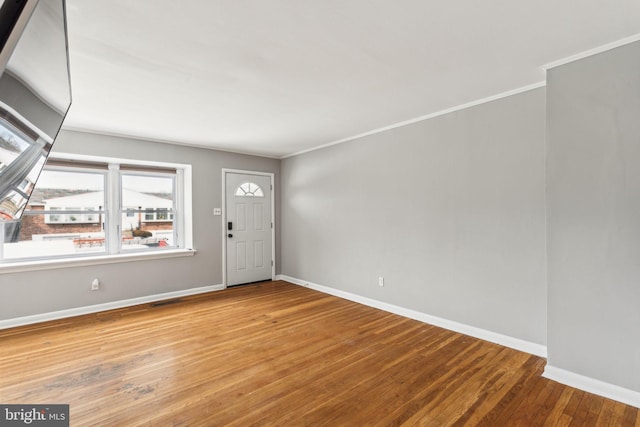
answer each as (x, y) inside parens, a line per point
(217, 211)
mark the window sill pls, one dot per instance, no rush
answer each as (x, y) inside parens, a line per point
(51, 264)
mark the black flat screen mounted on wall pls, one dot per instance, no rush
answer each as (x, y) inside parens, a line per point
(10, 12)
(35, 94)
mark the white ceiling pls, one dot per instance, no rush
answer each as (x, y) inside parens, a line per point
(276, 77)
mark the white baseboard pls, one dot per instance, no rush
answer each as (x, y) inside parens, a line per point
(505, 340)
(72, 312)
(588, 384)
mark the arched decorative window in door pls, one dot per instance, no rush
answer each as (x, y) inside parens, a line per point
(249, 189)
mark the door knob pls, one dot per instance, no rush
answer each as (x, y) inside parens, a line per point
(229, 235)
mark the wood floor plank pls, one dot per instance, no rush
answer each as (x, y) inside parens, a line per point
(630, 415)
(558, 407)
(518, 391)
(532, 406)
(545, 409)
(283, 355)
(618, 414)
(606, 414)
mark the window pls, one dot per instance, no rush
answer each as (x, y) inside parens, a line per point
(76, 195)
(62, 217)
(150, 196)
(93, 206)
(249, 189)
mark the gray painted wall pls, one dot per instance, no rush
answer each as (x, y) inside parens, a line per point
(449, 210)
(30, 293)
(594, 216)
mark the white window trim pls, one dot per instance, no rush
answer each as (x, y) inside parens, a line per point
(114, 219)
(183, 225)
(52, 264)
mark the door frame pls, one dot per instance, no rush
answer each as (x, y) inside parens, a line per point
(224, 219)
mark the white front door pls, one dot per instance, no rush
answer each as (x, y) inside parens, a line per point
(248, 228)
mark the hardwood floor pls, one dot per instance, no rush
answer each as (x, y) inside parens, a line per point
(279, 354)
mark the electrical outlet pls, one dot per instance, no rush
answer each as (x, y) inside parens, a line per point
(95, 285)
(380, 281)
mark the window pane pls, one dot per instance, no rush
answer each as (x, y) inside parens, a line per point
(249, 189)
(68, 183)
(76, 227)
(33, 237)
(147, 192)
(151, 198)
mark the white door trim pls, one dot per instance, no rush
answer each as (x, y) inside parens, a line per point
(224, 219)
